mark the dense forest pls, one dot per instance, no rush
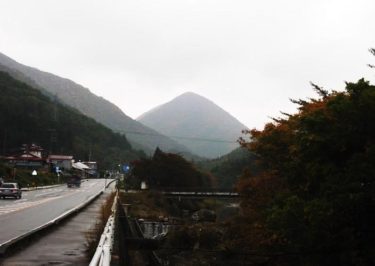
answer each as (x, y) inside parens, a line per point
(228, 168)
(28, 116)
(313, 204)
(169, 171)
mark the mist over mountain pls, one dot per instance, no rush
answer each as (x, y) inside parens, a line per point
(197, 123)
(98, 108)
(28, 116)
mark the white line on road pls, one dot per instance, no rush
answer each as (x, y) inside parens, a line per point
(23, 205)
(47, 193)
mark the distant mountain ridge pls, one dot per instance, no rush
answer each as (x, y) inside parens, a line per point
(199, 124)
(28, 116)
(98, 108)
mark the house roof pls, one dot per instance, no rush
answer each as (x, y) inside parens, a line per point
(80, 166)
(24, 157)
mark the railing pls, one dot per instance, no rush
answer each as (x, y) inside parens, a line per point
(153, 258)
(123, 232)
(102, 256)
(218, 194)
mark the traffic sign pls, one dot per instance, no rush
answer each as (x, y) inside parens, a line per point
(126, 168)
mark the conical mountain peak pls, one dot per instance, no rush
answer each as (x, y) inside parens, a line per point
(196, 121)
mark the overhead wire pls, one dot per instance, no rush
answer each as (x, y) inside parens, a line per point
(179, 137)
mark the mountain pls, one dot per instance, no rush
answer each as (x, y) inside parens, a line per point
(28, 116)
(98, 108)
(198, 123)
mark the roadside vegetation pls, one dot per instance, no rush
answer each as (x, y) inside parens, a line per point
(191, 240)
(313, 204)
(94, 234)
(146, 205)
(168, 171)
(25, 178)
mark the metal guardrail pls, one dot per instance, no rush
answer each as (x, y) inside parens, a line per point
(102, 256)
(219, 194)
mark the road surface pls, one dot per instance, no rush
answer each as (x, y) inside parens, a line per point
(36, 208)
(65, 244)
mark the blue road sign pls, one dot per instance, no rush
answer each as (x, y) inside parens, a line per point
(126, 168)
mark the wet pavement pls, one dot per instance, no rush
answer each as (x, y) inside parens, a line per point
(65, 244)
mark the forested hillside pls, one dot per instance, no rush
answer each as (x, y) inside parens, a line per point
(314, 202)
(98, 108)
(170, 171)
(228, 168)
(28, 116)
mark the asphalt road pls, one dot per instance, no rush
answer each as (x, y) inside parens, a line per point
(63, 245)
(38, 207)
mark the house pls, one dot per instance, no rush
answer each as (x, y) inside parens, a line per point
(81, 168)
(33, 157)
(93, 169)
(63, 162)
(30, 157)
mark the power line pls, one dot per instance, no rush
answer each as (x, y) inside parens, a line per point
(178, 137)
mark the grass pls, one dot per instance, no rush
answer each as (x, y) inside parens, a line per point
(26, 179)
(145, 204)
(187, 242)
(94, 234)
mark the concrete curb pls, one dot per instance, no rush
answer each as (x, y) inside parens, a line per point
(4, 246)
(110, 182)
(46, 187)
(38, 188)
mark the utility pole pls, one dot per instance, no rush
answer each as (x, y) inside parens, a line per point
(53, 139)
(4, 141)
(53, 133)
(90, 153)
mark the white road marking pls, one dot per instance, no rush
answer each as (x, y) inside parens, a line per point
(49, 192)
(23, 205)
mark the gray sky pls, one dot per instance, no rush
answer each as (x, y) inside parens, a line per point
(247, 56)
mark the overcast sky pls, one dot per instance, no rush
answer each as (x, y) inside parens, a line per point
(247, 56)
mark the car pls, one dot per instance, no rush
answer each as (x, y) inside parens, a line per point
(10, 190)
(74, 181)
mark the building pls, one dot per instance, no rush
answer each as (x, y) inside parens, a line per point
(33, 157)
(93, 169)
(63, 162)
(29, 157)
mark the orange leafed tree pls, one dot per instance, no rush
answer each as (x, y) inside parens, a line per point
(314, 199)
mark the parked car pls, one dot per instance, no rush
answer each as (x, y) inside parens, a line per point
(10, 190)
